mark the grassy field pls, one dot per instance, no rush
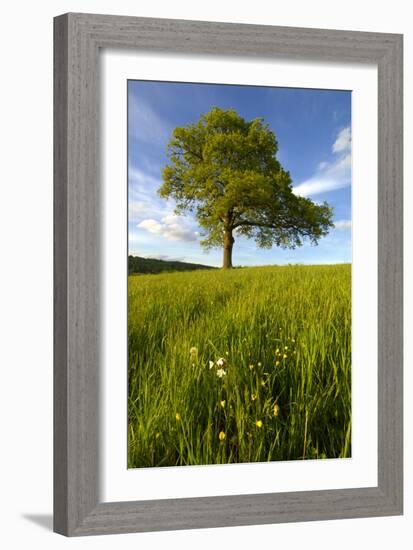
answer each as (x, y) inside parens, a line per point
(242, 365)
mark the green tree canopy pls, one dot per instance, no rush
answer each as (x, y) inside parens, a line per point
(224, 170)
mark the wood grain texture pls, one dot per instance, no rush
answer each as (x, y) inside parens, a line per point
(76, 276)
(390, 273)
(60, 277)
(78, 39)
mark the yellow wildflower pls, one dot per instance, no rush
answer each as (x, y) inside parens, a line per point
(178, 417)
(251, 367)
(253, 397)
(259, 423)
(259, 364)
(276, 410)
(277, 363)
(286, 348)
(221, 436)
(285, 356)
(222, 403)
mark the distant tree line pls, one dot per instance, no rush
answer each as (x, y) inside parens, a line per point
(136, 264)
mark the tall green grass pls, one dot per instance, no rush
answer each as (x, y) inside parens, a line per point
(284, 337)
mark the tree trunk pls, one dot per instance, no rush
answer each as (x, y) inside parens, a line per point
(228, 244)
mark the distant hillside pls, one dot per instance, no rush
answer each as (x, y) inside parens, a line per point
(150, 265)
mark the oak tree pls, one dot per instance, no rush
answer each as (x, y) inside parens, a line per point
(225, 171)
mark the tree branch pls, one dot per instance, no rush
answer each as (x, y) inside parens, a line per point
(283, 225)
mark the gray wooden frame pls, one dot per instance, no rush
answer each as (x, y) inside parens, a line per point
(78, 39)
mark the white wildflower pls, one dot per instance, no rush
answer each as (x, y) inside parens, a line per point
(221, 362)
(211, 364)
(221, 373)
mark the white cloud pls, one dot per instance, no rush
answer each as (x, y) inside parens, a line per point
(152, 226)
(155, 215)
(332, 175)
(143, 209)
(342, 224)
(141, 182)
(144, 201)
(171, 227)
(343, 141)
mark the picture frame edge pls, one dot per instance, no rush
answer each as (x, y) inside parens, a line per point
(77, 509)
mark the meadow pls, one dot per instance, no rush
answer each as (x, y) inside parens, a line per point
(241, 365)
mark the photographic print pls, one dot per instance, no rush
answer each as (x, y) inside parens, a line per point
(239, 274)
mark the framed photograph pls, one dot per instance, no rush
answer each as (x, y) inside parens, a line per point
(228, 274)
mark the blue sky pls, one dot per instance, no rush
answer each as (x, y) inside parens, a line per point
(313, 129)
